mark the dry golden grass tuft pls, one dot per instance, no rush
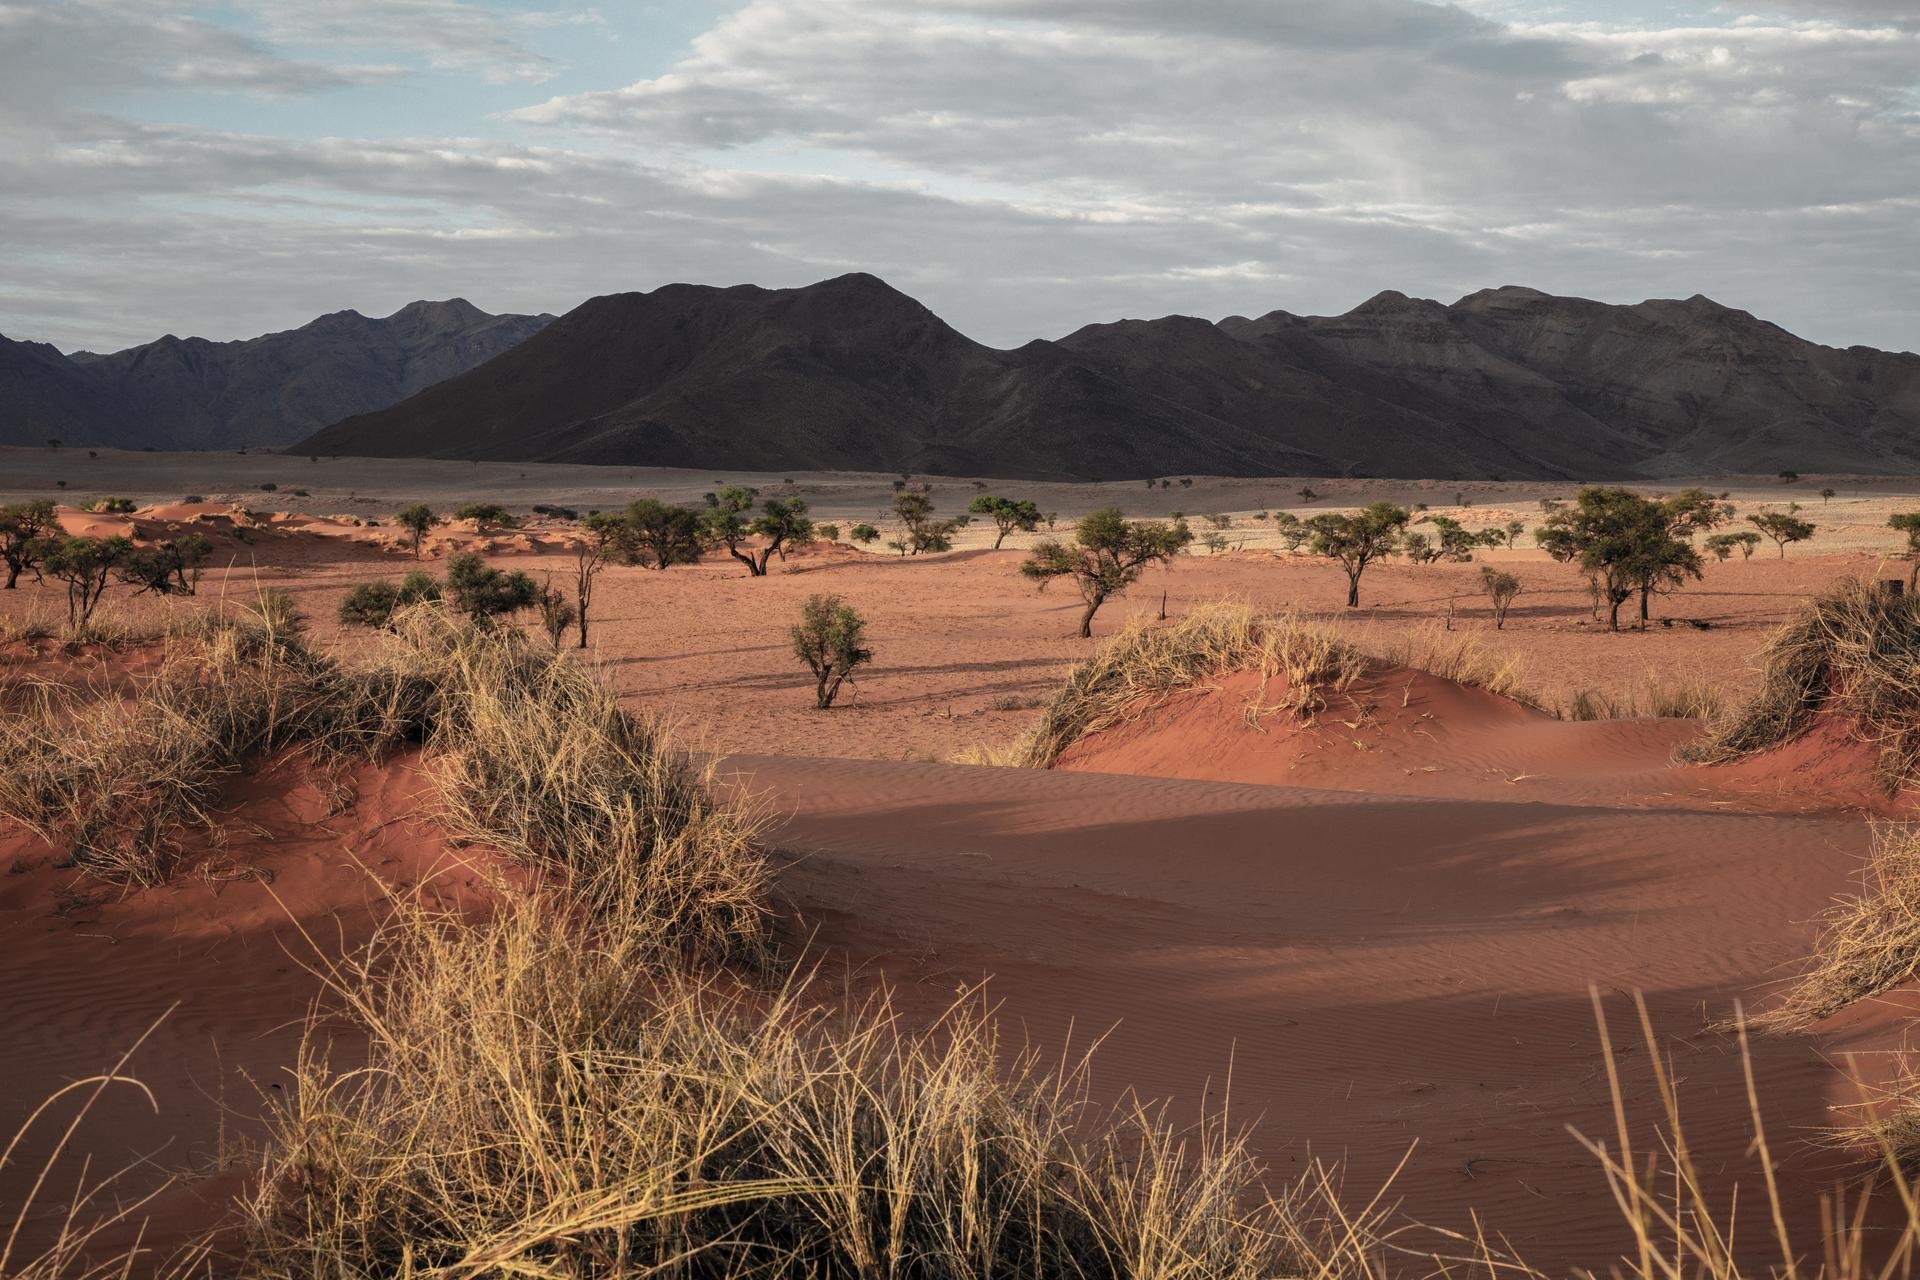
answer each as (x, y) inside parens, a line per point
(1854, 653)
(120, 781)
(539, 1099)
(1145, 663)
(531, 753)
(534, 757)
(1868, 942)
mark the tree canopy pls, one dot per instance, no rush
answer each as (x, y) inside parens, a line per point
(1107, 554)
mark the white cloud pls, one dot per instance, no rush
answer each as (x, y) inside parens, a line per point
(1024, 166)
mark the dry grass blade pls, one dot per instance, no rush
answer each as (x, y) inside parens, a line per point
(1855, 653)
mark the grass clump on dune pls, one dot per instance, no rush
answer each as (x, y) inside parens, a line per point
(1869, 943)
(531, 755)
(1854, 653)
(1145, 663)
(121, 781)
(536, 1101)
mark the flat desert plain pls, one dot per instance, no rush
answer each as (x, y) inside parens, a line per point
(1381, 938)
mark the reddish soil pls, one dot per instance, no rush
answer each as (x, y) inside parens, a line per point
(1384, 927)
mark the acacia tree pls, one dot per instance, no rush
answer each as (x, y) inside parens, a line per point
(1622, 542)
(416, 520)
(782, 522)
(1501, 588)
(919, 530)
(84, 565)
(602, 537)
(484, 593)
(556, 614)
(1783, 526)
(1907, 522)
(23, 526)
(373, 604)
(831, 639)
(170, 567)
(675, 535)
(1107, 554)
(1009, 514)
(1359, 539)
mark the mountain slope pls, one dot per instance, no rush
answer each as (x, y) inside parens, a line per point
(850, 373)
(189, 393)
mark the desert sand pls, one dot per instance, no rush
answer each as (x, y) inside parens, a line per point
(1379, 935)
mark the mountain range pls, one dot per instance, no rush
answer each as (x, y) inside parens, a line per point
(852, 374)
(277, 389)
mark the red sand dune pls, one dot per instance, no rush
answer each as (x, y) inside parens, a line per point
(1376, 973)
(1404, 732)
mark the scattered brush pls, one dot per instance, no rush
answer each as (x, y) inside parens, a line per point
(1680, 1229)
(1683, 700)
(1591, 704)
(1868, 943)
(536, 1101)
(1000, 754)
(1679, 699)
(121, 781)
(1144, 664)
(1855, 653)
(534, 756)
(1459, 656)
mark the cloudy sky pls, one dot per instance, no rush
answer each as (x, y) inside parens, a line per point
(1022, 166)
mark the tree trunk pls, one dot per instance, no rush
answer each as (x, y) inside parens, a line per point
(1783, 551)
(1613, 612)
(13, 576)
(1645, 591)
(1353, 591)
(1002, 538)
(1086, 619)
(753, 570)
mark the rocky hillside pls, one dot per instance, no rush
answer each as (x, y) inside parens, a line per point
(853, 374)
(189, 393)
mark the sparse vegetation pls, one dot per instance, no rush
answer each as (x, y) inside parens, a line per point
(864, 534)
(171, 566)
(1143, 664)
(1623, 543)
(782, 521)
(919, 529)
(1008, 515)
(24, 528)
(830, 639)
(1358, 540)
(672, 535)
(84, 565)
(416, 520)
(374, 604)
(1868, 943)
(1853, 653)
(112, 506)
(486, 515)
(1783, 526)
(484, 593)
(1107, 555)
(556, 614)
(1501, 588)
